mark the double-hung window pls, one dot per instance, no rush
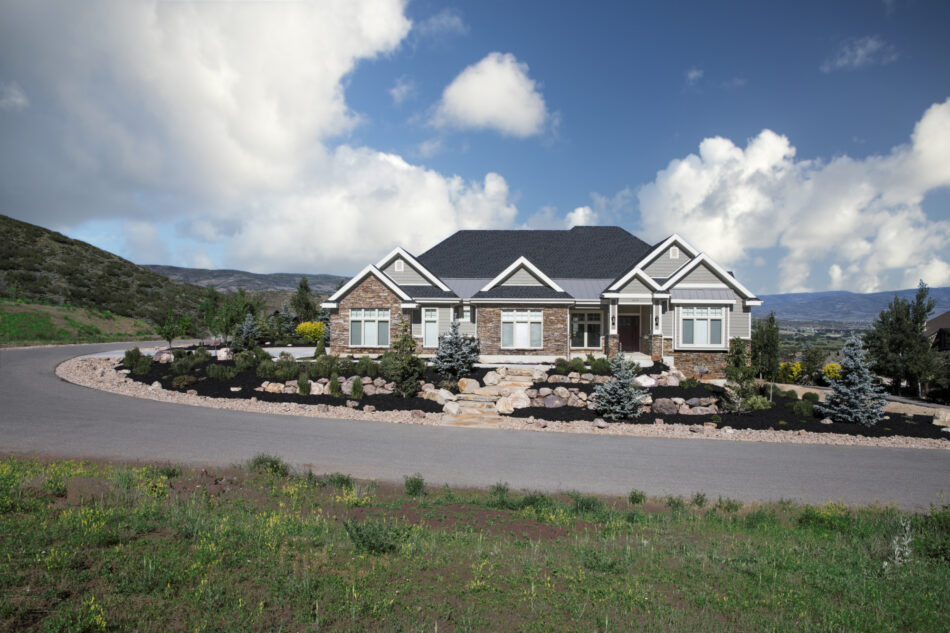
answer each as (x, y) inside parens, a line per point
(430, 327)
(522, 329)
(369, 327)
(585, 329)
(702, 327)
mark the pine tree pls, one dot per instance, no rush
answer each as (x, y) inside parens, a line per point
(854, 398)
(741, 390)
(456, 355)
(619, 398)
(403, 366)
(765, 347)
(302, 302)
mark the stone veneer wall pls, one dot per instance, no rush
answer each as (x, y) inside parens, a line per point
(714, 361)
(554, 335)
(369, 293)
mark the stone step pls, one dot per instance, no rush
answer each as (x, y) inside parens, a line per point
(476, 406)
(517, 379)
(471, 420)
(475, 397)
(518, 371)
(514, 385)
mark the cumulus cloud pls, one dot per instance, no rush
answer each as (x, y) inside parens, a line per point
(222, 118)
(444, 23)
(403, 88)
(496, 93)
(863, 217)
(693, 75)
(860, 52)
(548, 217)
(12, 96)
(581, 216)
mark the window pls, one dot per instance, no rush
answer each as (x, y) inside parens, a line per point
(430, 327)
(369, 327)
(674, 252)
(585, 329)
(521, 329)
(400, 266)
(465, 314)
(701, 326)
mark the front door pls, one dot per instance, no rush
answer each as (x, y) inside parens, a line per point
(628, 331)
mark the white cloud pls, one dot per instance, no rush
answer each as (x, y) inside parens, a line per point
(429, 147)
(693, 75)
(12, 96)
(863, 217)
(547, 217)
(496, 93)
(403, 88)
(860, 52)
(144, 244)
(221, 118)
(444, 23)
(581, 216)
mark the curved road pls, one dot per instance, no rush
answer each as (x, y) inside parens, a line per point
(39, 413)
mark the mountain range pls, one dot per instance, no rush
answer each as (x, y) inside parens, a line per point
(840, 305)
(227, 280)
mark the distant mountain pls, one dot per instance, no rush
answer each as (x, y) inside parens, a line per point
(231, 280)
(839, 305)
(44, 266)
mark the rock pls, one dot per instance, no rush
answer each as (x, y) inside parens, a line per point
(368, 408)
(545, 391)
(591, 405)
(702, 411)
(582, 395)
(693, 402)
(802, 432)
(600, 424)
(562, 392)
(728, 429)
(827, 421)
(352, 404)
(678, 401)
(451, 407)
(163, 356)
(531, 393)
(253, 399)
(290, 389)
(665, 406)
(316, 388)
(391, 386)
(366, 380)
(588, 377)
(647, 400)
(543, 424)
(225, 353)
(323, 408)
(417, 413)
(710, 425)
(324, 381)
(444, 395)
(380, 382)
(556, 378)
(235, 389)
(644, 381)
(289, 383)
(574, 376)
(492, 378)
(273, 387)
(519, 400)
(574, 401)
(708, 402)
(369, 390)
(426, 387)
(468, 385)
(192, 392)
(382, 391)
(945, 429)
(157, 386)
(539, 375)
(491, 391)
(503, 406)
(537, 402)
(502, 371)
(124, 372)
(695, 428)
(658, 422)
(684, 409)
(672, 381)
(602, 379)
(554, 402)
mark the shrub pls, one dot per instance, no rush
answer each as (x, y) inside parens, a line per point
(311, 331)
(415, 485)
(169, 471)
(578, 365)
(267, 369)
(175, 326)
(854, 398)
(366, 367)
(262, 354)
(143, 365)
(245, 360)
(698, 500)
(406, 367)
(634, 516)
(811, 397)
(586, 504)
(741, 390)
(248, 332)
(601, 560)
(268, 464)
(600, 366)
(356, 390)
(202, 355)
(180, 382)
(759, 517)
(619, 398)
(788, 373)
(802, 408)
(333, 387)
(324, 366)
(339, 481)
(346, 366)
(131, 357)
(831, 371)
(561, 366)
(791, 394)
(689, 383)
(375, 536)
(221, 373)
(303, 384)
(933, 539)
(183, 365)
(637, 497)
(456, 355)
(286, 369)
(675, 504)
(728, 505)
(831, 516)
(320, 349)
(757, 403)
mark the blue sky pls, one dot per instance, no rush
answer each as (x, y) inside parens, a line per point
(804, 145)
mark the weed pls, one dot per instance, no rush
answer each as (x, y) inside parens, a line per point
(831, 516)
(758, 518)
(339, 480)
(601, 560)
(675, 504)
(637, 497)
(586, 504)
(169, 471)
(221, 373)
(698, 500)
(181, 382)
(727, 505)
(375, 536)
(414, 485)
(268, 464)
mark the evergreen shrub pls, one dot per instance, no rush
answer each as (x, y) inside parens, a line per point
(303, 384)
(619, 398)
(456, 355)
(245, 360)
(221, 373)
(333, 387)
(578, 365)
(267, 369)
(855, 398)
(356, 390)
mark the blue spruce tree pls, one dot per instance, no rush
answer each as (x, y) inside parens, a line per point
(854, 397)
(619, 398)
(456, 355)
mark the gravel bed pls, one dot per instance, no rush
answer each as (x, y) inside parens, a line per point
(100, 373)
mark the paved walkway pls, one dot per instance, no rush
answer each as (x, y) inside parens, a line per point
(40, 413)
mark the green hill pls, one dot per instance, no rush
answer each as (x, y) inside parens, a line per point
(42, 266)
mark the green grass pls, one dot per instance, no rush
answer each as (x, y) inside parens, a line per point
(26, 323)
(100, 547)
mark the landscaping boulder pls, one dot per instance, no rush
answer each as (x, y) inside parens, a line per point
(468, 385)
(366, 380)
(693, 402)
(418, 413)
(545, 391)
(539, 375)
(644, 381)
(503, 405)
(531, 393)
(587, 377)
(316, 388)
(290, 388)
(163, 356)
(225, 353)
(492, 378)
(665, 406)
(672, 381)
(574, 401)
(379, 382)
(554, 402)
(235, 389)
(369, 390)
(352, 404)
(274, 387)
(574, 376)
(600, 424)
(490, 391)
(562, 392)
(444, 395)
(684, 409)
(827, 421)
(678, 401)
(155, 386)
(519, 400)
(451, 407)
(368, 408)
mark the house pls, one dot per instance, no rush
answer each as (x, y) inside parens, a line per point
(532, 296)
(938, 332)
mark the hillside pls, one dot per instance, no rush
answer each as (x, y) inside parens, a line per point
(840, 306)
(42, 266)
(231, 280)
(30, 324)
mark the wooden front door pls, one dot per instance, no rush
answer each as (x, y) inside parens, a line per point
(628, 331)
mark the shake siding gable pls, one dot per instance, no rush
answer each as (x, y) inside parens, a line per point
(521, 277)
(702, 274)
(663, 267)
(635, 286)
(409, 275)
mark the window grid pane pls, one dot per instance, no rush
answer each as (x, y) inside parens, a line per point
(535, 335)
(507, 334)
(687, 331)
(356, 328)
(383, 334)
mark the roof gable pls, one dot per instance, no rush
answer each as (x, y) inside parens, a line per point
(522, 265)
(360, 276)
(713, 268)
(419, 274)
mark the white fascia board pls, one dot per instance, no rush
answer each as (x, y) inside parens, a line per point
(753, 302)
(525, 301)
(369, 270)
(408, 306)
(521, 261)
(656, 252)
(401, 252)
(329, 305)
(636, 271)
(627, 295)
(661, 295)
(427, 300)
(703, 301)
(722, 272)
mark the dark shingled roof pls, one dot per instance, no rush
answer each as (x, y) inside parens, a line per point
(581, 252)
(428, 292)
(521, 292)
(939, 322)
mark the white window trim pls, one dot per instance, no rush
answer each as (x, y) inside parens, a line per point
(678, 331)
(528, 318)
(586, 313)
(399, 266)
(674, 252)
(377, 320)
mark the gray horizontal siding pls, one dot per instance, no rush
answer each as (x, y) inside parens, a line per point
(740, 321)
(666, 322)
(521, 277)
(663, 266)
(701, 275)
(409, 275)
(635, 286)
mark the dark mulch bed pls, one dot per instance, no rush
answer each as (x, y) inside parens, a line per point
(248, 380)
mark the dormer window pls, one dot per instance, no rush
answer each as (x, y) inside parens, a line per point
(400, 266)
(674, 252)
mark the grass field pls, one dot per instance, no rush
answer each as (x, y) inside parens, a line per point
(31, 323)
(100, 547)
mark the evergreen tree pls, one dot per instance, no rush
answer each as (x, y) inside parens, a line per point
(323, 316)
(248, 332)
(619, 398)
(210, 308)
(896, 343)
(854, 398)
(302, 302)
(765, 347)
(813, 360)
(741, 391)
(456, 355)
(403, 366)
(175, 326)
